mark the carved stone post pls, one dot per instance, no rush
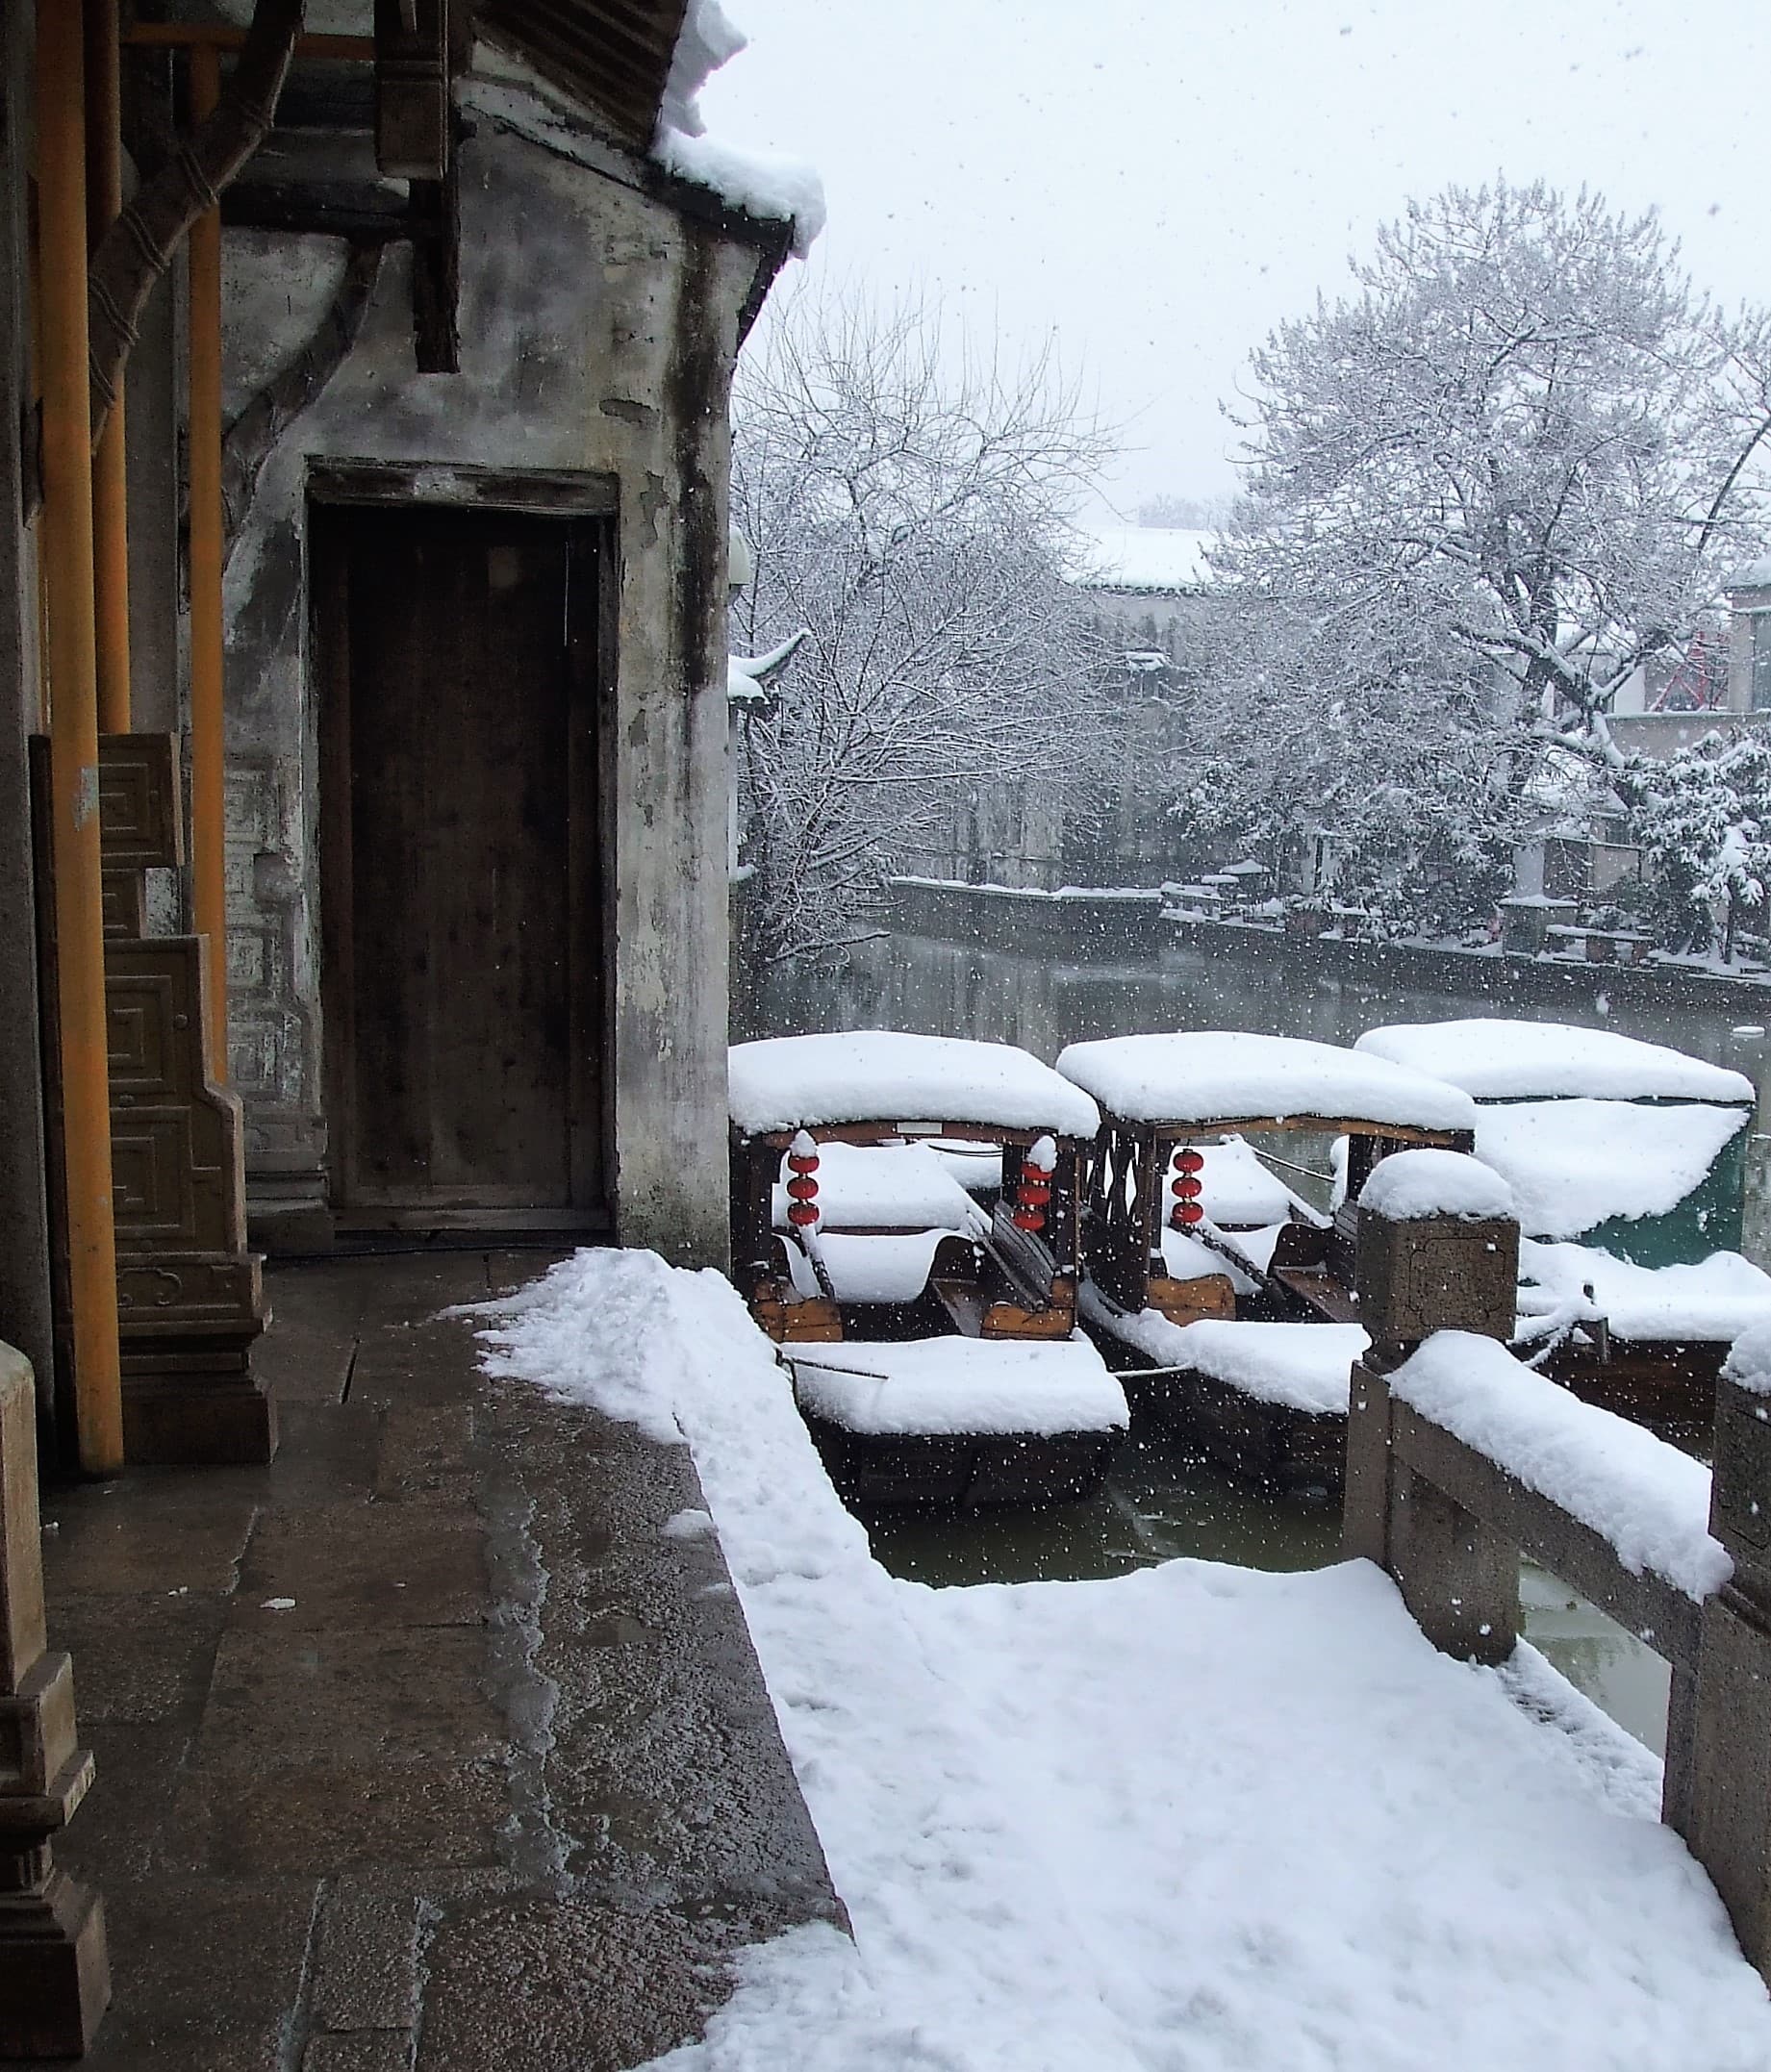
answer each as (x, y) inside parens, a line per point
(54, 1979)
(1725, 1813)
(1416, 1276)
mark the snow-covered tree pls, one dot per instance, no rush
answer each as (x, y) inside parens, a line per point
(1509, 470)
(904, 496)
(1703, 819)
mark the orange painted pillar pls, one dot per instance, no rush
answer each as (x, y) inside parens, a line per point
(207, 646)
(104, 202)
(71, 658)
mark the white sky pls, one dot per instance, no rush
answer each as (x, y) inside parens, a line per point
(1157, 185)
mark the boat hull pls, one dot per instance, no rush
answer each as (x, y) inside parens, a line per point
(962, 1471)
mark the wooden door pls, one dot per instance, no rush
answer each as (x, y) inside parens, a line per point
(460, 906)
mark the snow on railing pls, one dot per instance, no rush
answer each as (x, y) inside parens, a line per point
(1648, 1502)
(1459, 1458)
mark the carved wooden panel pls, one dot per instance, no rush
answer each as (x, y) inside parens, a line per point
(140, 824)
(177, 1143)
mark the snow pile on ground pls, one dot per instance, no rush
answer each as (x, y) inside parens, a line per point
(1495, 1058)
(1714, 1301)
(1408, 1186)
(1648, 1500)
(1189, 1820)
(882, 1076)
(1575, 1163)
(1222, 1076)
(759, 183)
(1298, 1366)
(960, 1385)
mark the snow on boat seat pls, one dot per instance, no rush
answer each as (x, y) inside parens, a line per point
(884, 1187)
(1237, 1191)
(1711, 1301)
(874, 1268)
(976, 1167)
(1302, 1367)
(1576, 1163)
(963, 1385)
(870, 1075)
(1648, 1500)
(1492, 1057)
(1219, 1075)
(1185, 1258)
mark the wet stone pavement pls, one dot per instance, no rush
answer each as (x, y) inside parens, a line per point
(424, 1747)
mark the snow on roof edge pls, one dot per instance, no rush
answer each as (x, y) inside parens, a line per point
(886, 1075)
(756, 183)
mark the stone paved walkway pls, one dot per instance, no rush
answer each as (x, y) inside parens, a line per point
(421, 1748)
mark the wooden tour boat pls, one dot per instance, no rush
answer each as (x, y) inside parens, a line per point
(905, 1226)
(1224, 1296)
(1627, 1162)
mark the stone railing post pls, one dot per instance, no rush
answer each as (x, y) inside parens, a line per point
(55, 1977)
(1718, 1757)
(1458, 1577)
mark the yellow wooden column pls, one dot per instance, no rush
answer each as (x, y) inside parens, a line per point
(104, 202)
(73, 697)
(207, 648)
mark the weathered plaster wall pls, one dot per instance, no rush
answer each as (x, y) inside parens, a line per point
(598, 334)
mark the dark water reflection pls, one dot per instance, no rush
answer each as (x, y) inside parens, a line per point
(1159, 1505)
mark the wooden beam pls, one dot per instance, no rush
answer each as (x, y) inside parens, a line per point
(219, 36)
(412, 88)
(67, 565)
(104, 203)
(208, 641)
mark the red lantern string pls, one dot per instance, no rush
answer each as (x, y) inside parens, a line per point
(802, 1189)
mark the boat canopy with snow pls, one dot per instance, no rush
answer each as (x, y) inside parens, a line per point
(1180, 1216)
(1627, 1147)
(1627, 1162)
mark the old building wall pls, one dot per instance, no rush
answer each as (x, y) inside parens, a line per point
(597, 329)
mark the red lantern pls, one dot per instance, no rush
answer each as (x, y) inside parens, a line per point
(1191, 1161)
(1033, 1189)
(802, 1189)
(1185, 1213)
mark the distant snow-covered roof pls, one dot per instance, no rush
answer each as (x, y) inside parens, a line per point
(1756, 576)
(1221, 1075)
(1495, 1058)
(871, 1075)
(1153, 559)
(778, 189)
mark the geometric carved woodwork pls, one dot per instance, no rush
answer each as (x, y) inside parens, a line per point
(142, 827)
(190, 1297)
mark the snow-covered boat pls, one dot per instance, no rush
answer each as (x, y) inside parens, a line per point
(905, 1226)
(1216, 1283)
(1626, 1161)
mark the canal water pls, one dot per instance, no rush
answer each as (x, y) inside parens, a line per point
(1161, 1504)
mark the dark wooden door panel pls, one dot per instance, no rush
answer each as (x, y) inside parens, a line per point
(462, 957)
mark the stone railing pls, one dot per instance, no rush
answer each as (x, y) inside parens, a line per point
(1459, 1458)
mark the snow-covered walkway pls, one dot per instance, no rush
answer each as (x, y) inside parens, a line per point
(1191, 1819)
